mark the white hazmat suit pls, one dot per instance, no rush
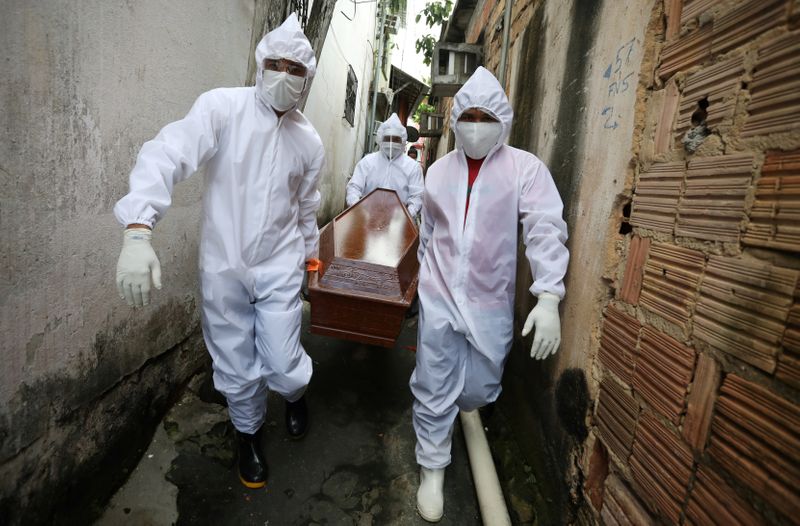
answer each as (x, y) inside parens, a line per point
(399, 172)
(259, 225)
(468, 270)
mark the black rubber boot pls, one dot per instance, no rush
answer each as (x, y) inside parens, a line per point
(297, 418)
(252, 465)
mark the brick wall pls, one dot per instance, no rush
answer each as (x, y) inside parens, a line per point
(697, 418)
(486, 28)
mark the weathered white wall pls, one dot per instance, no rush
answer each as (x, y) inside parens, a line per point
(347, 42)
(575, 73)
(601, 163)
(84, 84)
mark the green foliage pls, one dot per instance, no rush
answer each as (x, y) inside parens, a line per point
(423, 107)
(424, 45)
(436, 13)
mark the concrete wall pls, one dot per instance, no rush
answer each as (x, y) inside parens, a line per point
(577, 79)
(83, 375)
(348, 43)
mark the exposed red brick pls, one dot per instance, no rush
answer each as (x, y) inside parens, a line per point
(479, 24)
(745, 22)
(655, 201)
(661, 465)
(775, 89)
(663, 136)
(671, 278)
(755, 436)
(794, 14)
(719, 84)
(788, 370)
(685, 52)
(743, 308)
(621, 506)
(634, 270)
(694, 8)
(672, 9)
(616, 418)
(775, 215)
(663, 371)
(607, 518)
(618, 343)
(713, 204)
(596, 478)
(700, 402)
(713, 501)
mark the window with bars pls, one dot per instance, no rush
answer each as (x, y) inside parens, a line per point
(301, 8)
(350, 96)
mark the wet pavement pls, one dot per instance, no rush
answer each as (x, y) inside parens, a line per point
(356, 465)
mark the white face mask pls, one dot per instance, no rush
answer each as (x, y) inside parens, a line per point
(280, 89)
(391, 149)
(477, 138)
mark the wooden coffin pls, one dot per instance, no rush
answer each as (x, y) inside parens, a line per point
(368, 273)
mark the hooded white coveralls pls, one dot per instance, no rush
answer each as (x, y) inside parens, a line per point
(468, 270)
(401, 174)
(259, 226)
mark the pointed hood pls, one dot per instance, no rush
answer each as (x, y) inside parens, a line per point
(287, 41)
(392, 126)
(484, 92)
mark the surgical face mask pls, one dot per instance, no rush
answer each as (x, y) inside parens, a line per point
(391, 149)
(280, 89)
(477, 138)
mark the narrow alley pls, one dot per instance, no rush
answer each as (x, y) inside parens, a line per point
(356, 466)
(578, 220)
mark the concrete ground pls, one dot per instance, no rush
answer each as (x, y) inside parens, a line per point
(355, 466)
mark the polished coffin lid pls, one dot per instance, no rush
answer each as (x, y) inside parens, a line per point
(368, 272)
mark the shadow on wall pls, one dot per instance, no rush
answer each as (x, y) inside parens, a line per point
(76, 439)
(535, 398)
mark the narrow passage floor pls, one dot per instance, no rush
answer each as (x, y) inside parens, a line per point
(355, 466)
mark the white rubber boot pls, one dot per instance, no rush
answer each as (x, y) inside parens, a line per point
(430, 496)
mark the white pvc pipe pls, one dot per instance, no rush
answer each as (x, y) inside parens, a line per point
(487, 485)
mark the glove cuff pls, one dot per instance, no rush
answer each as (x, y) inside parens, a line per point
(548, 299)
(138, 234)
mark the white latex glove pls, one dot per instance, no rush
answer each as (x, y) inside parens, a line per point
(136, 266)
(544, 317)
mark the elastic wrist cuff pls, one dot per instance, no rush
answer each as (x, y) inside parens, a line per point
(143, 221)
(549, 297)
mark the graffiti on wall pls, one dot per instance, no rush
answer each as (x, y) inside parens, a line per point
(619, 80)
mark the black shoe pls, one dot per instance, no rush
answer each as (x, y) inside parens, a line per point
(297, 418)
(252, 466)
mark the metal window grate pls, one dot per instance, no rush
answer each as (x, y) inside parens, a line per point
(350, 96)
(301, 8)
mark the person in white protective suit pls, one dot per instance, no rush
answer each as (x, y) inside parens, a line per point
(389, 168)
(259, 226)
(475, 197)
